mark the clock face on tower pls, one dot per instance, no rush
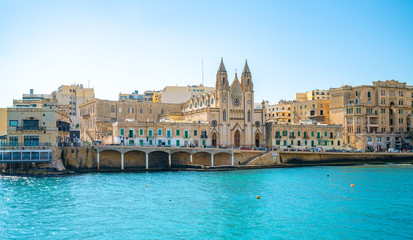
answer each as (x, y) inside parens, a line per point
(236, 101)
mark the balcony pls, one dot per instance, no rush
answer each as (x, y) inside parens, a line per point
(204, 136)
(30, 128)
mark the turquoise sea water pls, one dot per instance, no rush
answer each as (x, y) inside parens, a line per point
(295, 203)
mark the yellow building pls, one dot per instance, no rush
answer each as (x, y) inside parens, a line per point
(157, 97)
(312, 95)
(37, 126)
(3, 126)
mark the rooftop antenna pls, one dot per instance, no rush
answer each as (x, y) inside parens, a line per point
(202, 71)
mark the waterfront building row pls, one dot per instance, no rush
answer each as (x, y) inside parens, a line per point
(304, 136)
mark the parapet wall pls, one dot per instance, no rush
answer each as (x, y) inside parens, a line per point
(333, 158)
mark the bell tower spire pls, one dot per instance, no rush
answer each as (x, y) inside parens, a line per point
(222, 77)
(246, 78)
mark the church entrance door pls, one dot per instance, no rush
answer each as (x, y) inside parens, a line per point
(257, 140)
(214, 139)
(237, 139)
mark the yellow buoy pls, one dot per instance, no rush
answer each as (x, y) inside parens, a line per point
(258, 197)
(352, 185)
(146, 185)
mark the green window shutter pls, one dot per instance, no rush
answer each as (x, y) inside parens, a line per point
(122, 131)
(141, 132)
(177, 143)
(312, 133)
(325, 134)
(178, 132)
(298, 133)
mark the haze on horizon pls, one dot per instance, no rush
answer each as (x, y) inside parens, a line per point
(122, 46)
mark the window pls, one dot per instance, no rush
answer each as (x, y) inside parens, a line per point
(284, 133)
(195, 132)
(150, 142)
(130, 110)
(312, 133)
(159, 132)
(298, 133)
(224, 116)
(400, 111)
(141, 110)
(383, 110)
(31, 140)
(13, 123)
(131, 133)
(141, 132)
(122, 131)
(357, 93)
(177, 143)
(318, 135)
(186, 134)
(383, 101)
(178, 132)
(168, 133)
(13, 141)
(249, 116)
(368, 94)
(400, 102)
(285, 143)
(325, 134)
(120, 109)
(112, 109)
(150, 133)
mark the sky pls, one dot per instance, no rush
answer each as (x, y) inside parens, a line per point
(122, 46)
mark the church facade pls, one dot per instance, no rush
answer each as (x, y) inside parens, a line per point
(229, 110)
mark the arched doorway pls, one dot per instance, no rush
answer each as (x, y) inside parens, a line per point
(237, 139)
(214, 139)
(257, 140)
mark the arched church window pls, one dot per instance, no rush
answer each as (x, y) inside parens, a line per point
(212, 101)
(224, 116)
(200, 104)
(249, 116)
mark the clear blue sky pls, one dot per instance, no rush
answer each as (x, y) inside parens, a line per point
(121, 46)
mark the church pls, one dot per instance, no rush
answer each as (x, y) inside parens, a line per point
(229, 110)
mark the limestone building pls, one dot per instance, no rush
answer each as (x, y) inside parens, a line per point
(70, 97)
(376, 117)
(37, 126)
(312, 95)
(162, 134)
(316, 111)
(181, 94)
(279, 113)
(97, 116)
(3, 126)
(304, 136)
(229, 111)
